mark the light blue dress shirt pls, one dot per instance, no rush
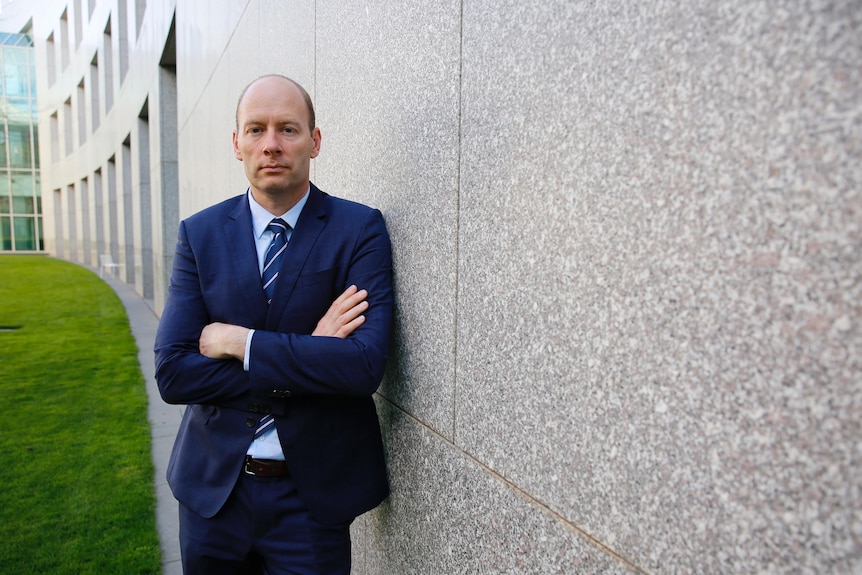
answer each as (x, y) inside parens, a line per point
(267, 445)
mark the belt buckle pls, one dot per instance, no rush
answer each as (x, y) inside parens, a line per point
(246, 467)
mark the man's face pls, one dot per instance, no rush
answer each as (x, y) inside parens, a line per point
(273, 139)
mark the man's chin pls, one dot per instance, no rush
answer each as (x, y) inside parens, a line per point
(281, 188)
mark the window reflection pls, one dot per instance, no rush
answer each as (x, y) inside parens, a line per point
(20, 201)
(20, 151)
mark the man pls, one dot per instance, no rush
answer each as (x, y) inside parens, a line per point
(279, 448)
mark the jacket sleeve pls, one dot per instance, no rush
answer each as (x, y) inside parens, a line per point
(183, 374)
(290, 364)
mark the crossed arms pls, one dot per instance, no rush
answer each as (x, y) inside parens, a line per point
(224, 341)
(201, 342)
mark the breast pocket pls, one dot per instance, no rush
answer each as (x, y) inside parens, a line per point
(318, 278)
(312, 295)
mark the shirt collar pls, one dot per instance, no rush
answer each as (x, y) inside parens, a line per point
(260, 217)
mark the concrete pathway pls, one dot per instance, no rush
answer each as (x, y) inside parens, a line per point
(164, 420)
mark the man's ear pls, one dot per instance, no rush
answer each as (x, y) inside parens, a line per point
(236, 151)
(315, 135)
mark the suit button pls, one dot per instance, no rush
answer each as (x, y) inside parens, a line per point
(250, 422)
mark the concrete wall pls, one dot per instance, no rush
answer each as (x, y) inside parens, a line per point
(106, 155)
(627, 249)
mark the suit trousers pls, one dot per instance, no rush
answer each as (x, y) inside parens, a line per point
(263, 529)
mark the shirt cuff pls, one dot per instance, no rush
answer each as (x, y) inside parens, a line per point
(247, 349)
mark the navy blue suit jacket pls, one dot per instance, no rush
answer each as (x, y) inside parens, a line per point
(319, 388)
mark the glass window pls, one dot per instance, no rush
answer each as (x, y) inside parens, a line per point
(15, 73)
(36, 148)
(19, 111)
(22, 205)
(25, 233)
(20, 154)
(3, 162)
(22, 184)
(20, 201)
(5, 233)
(32, 76)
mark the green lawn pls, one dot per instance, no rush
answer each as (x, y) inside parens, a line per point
(76, 479)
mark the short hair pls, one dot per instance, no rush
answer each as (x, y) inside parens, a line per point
(308, 103)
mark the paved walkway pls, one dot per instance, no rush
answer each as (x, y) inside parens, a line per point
(164, 420)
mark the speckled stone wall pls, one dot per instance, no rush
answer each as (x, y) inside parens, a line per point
(628, 261)
(680, 188)
(627, 244)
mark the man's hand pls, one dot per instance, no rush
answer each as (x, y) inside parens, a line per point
(344, 315)
(223, 341)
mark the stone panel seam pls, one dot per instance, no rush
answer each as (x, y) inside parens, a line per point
(531, 499)
(458, 221)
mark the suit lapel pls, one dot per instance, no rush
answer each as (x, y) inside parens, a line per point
(311, 222)
(240, 248)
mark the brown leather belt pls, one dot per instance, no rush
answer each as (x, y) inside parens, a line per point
(264, 467)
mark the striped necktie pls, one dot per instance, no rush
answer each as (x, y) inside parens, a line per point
(271, 265)
(266, 422)
(272, 259)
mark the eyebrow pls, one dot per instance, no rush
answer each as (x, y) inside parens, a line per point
(282, 122)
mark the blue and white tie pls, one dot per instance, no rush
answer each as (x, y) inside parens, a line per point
(266, 422)
(272, 259)
(271, 265)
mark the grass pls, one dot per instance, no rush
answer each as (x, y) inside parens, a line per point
(77, 492)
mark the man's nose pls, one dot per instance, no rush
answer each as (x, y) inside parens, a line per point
(271, 143)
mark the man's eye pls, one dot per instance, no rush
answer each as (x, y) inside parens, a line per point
(289, 130)
(254, 130)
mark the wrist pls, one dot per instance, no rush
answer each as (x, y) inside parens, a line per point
(236, 344)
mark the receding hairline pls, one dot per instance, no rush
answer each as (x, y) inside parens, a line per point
(308, 103)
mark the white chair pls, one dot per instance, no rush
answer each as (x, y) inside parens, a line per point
(106, 262)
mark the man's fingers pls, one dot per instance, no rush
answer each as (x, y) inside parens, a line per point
(354, 311)
(349, 292)
(350, 298)
(344, 315)
(349, 328)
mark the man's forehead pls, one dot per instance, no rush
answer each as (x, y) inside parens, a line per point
(275, 104)
(277, 111)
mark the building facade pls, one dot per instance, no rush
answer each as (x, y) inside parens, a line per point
(104, 150)
(627, 241)
(20, 187)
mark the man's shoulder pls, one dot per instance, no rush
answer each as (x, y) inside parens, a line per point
(343, 205)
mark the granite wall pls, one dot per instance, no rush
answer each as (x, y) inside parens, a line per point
(627, 260)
